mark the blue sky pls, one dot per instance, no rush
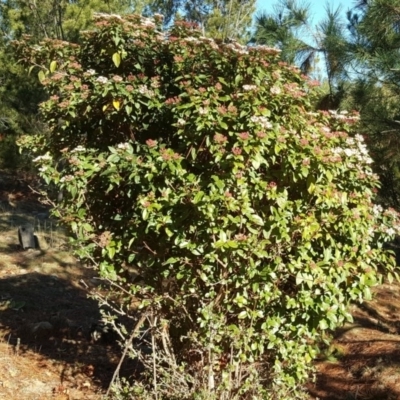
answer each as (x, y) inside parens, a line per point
(317, 7)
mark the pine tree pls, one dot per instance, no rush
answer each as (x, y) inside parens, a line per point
(229, 19)
(375, 33)
(289, 28)
(285, 28)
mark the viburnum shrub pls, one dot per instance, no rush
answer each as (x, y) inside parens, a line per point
(197, 178)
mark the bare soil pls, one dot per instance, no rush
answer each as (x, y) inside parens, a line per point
(46, 351)
(46, 314)
(363, 362)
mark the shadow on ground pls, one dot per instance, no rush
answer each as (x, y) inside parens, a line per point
(47, 315)
(363, 361)
(45, 312)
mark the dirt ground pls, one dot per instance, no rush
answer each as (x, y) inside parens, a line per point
(46, 314)
(363, 362)
(46, 351)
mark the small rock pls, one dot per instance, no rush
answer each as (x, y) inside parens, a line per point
(42, 330)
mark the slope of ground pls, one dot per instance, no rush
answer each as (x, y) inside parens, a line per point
(363, 362)
(46, 351)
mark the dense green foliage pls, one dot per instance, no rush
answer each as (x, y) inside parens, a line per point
(375, 40)
(359, 60)
(20, 94)
(201, 167)
(64, 20)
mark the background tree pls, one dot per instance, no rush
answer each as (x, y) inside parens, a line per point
(220, 19)
(375, 34)
(323, 46)
(284, 29)
(229, 19)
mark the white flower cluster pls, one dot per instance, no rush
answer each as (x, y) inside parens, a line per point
(357, 148)
(343, 115)
(204, 39)
(326, 129)
(102, 79)
(237, 48)
(190, 39)
(334, 112)
(214, 45)
(100, 15)
(181, 122)
(203, 111)
(91, 72)
(67, 178)
(247, 88)
(390, 231)
(275, 90)
(78, 149)
(377, 210)
(123, 146)
(143, 89)
(272, 50)
(147, 22)
(45, 157)
(263, 121)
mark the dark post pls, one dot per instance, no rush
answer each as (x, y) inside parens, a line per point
(26, 236)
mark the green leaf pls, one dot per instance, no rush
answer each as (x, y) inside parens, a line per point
(41, 76)
(169, 232)
(113, 158)
(116, 59)
(53, 66)
(367, 293)
(323, 324)
(242, 314)
(111, 251)
(171, 260)
(198, 197)
(311, 188)
(257, 219)
(203, 277)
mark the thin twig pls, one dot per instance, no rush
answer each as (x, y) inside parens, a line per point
(127, 345)
(153, 323)
(148, 248)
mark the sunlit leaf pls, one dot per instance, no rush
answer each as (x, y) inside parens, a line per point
(116, 104)
(116, 59)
